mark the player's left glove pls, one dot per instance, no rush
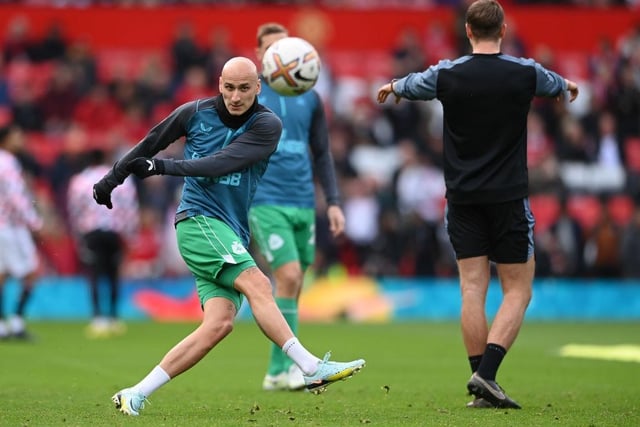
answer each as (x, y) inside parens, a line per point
(144, 167)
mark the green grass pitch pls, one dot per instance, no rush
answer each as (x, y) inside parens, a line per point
(415, 376)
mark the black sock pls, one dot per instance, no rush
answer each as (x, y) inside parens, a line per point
(22, 302)
(474, 362)
(491, 359)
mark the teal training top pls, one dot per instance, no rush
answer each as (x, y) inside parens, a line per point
(225, 157)
(303, 149)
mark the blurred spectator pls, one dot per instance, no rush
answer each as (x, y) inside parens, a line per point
(134, 124)
(60, 99)
(143, 253)
(630, 246)
(97, 111)
(461, 40)
(438, 44)
(20, 223)
(154, 85)
(512, 44)
(102, 237)
(544, 169)
(5, 99)
(362, 213)
(170, 259)
(67, 163)
(195, 85)
(124, 92)
(217, 53)
(340, 137)
(407, 120)
(17, 43)
(365, 136)
(419, 192)
(185, 51)
(408, 55)
(386, 251)
(25, 109)
(602, 248)
(610, 153)
(52, 46)
(327, 246)
(562, 246)
(574, 144)
(625, 101)
(603, 65)
(83, 66)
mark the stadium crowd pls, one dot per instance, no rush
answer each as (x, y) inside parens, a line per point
(584, 159)
(363, 4)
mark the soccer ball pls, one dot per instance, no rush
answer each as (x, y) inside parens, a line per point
(291, 66)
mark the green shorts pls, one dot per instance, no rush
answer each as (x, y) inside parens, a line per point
(215, 255)
(284, 234)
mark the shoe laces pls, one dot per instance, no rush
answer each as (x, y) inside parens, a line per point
(326, 357)
(141, 401)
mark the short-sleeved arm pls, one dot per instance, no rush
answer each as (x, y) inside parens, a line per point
(421, 86)
(548, 83)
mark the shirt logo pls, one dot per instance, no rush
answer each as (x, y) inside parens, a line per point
(205, 129)
(237, 248)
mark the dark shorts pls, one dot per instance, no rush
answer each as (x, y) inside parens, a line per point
(501, 231)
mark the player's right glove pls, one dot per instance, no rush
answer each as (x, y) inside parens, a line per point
(143, 167)
(102, 193)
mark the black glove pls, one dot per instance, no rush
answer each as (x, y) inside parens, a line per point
(144, 167)
(102, 193)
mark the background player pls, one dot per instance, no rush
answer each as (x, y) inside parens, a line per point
(283, 217)
(20, 221)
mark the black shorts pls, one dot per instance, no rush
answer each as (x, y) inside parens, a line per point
(501, 231)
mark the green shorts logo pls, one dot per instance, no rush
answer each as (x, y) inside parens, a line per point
(275, 242)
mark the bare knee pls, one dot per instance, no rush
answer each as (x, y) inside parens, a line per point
(521, 294)
(288, 279)
(254, 285)
(213, 333)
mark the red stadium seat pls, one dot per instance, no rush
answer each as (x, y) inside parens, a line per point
(366, 65)
(586, 209)
(23, 73)
(128, 64)
(573, 64)
(546, 210)
(621, 208)
(632, 154)
(43, 147)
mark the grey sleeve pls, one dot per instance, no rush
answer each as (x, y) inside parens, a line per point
(548, 83)
(322, 158)
(419, 86)
(256, 144)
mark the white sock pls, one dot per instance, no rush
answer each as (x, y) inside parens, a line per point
(16, 324)
(153, 381)
(4, 330)
(307, 362)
